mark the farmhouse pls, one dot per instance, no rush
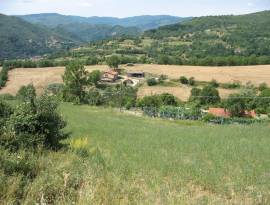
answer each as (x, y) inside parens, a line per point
(135, 74)
(109, 76)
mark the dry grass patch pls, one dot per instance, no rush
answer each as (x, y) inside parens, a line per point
(40, 77)
(256, 74)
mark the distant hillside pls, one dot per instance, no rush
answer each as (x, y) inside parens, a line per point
(242, 35)
(21, 39)
(84, 32)
(211, 41)
(142, 22)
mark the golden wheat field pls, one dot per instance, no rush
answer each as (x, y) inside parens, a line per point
(41, 77)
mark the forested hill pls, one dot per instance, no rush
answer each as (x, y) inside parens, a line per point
(141, 22)
(243, 35)
(19, 38)
(85, 33)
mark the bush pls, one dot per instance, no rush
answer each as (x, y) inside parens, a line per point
(183, 80)
(152, 82)
(158, 100)
(191, 81)
(209, 95)
(55, 89)
(5, 112)
(94, 77)
(214, 83)
(7, 96)
(195, 94)
(233, 85)
(26, 93)
(34, 124)
(263, 86)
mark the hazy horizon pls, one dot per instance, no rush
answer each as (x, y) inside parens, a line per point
(122, 8)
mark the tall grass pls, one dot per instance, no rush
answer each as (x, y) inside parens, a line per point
(174, 162)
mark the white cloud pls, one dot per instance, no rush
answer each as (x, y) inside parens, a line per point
(250, 4)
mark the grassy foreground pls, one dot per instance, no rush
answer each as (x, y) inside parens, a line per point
(151, 161)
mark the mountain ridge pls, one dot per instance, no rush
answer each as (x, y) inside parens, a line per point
(143, 22)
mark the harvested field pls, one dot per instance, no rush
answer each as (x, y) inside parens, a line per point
(182, 92)
(41, 77)
(255, 74)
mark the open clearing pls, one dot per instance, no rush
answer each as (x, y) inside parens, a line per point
(41, 77)
(153, 161)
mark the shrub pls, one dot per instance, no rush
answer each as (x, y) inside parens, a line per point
(5, 112)
(183, 80)
(93, 97)
(195, 94)
(152, 82)
(26, 93)
(209, 95)
(34, 124)
(214, 83)
(7, 96)
(158, 100)
(94, 77)
(263, 86)
(233, 85)
(262, 103)
(191, 81)
(236, 105)
(55, 89)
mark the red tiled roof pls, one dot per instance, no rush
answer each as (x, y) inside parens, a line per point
(219, 112)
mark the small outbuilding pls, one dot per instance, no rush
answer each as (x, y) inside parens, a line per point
(135, 74)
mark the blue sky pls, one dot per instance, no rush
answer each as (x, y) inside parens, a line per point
(124, 8)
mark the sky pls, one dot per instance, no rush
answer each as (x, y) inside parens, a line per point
(125, 8)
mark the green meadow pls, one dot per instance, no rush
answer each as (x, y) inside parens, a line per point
(155, 161)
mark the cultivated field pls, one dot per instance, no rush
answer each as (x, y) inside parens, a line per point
(41, 77)
(153, 161)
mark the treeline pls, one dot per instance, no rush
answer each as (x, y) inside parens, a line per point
(214, 61)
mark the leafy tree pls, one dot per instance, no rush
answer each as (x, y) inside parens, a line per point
(94, 77)
(75, 81)
(113, 62)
